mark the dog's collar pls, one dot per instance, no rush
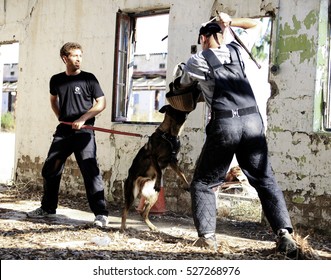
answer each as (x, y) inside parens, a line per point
(167, 136)
(172, 140)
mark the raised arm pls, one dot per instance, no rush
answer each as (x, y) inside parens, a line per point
(252, 26)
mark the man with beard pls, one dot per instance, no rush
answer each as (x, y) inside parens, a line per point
(75, 97)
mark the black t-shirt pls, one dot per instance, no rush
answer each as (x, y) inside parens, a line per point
(76, 94)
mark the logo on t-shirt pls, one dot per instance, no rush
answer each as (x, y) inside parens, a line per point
(77, 90)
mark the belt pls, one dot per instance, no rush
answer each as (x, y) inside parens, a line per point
(223, 114)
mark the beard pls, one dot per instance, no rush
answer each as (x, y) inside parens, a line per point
(73, 68)
(76, 66)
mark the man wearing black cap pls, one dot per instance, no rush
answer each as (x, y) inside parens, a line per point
(235, 128)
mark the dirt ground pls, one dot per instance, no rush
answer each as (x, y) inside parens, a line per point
(71, 235)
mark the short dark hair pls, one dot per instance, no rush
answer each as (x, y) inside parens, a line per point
(209, 29)
(67, 47)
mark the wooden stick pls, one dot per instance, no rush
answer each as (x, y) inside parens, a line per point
(242, 44)
(244, 47)
(205, 23)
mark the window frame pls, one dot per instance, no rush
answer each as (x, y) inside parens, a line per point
(124, 61)
(326, 124)
(322, 98)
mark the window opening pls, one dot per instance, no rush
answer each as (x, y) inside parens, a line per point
(139, 81)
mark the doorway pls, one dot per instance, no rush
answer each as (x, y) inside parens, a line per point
(9, 54)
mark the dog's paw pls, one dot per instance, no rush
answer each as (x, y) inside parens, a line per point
(123, 228)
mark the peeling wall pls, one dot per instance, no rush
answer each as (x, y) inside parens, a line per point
(299, 151)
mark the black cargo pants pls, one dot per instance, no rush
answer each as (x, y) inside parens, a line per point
(82, 143)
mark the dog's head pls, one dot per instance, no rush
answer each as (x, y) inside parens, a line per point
(173, 119)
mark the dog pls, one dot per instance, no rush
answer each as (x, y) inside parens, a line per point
(145, 173)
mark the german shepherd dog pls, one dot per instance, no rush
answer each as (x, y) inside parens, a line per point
(145, 173)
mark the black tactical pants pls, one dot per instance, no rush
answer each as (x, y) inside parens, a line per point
(82, 143)
(244, 137)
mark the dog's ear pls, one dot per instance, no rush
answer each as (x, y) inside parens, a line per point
(164, 109)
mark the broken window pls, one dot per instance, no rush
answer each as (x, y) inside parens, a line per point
(139, 81)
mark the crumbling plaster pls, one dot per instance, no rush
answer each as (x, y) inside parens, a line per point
(299, 152)
(299, 148)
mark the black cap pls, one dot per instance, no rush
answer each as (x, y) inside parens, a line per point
(209, 29)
